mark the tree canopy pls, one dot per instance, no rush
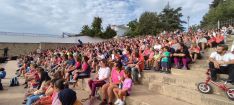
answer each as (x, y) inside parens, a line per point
(152, 23)
(220, 10)
(96, 30)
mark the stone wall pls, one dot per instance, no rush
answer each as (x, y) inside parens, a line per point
(16, 49)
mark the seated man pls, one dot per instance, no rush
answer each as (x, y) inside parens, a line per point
(222, 61)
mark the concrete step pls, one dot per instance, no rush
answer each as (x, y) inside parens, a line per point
(189, 95)
(142, 96)
(197, 66)
(186, 81)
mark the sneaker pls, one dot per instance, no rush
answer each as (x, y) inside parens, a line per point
(121, 103)
(72, 81)
(185, 68)
(139, 75)
(117, 101)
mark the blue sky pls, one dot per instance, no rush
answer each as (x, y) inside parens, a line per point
(57, 16)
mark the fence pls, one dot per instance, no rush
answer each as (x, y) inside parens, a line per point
(225, 23)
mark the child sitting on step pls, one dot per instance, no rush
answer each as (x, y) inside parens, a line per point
(125, 90)
(157, 57)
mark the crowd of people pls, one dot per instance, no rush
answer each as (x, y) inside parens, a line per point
(117, 64)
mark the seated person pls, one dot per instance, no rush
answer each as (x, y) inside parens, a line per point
(100, 79)
(211, 42)
(136, 65)
(181, 56)
(47, 99)
(157, 58)
(219, 39)
(125, 90)
(202, 42)
(222, 61)
(117, 74)
(149, 61)
(38, 93)
(2, 73)
(84, 72)
(194, 51)
(70, 67)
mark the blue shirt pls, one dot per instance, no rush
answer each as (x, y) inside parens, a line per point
(124, 60)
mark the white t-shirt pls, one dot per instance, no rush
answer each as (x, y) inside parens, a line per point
(104, 73)
(226, 57)
(202, 40)
(101, 56)
(157, 47)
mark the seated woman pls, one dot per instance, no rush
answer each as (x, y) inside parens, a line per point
(150, 60)
(84, 72)
(194, 51)
(211, 42)
(38, 93)
(136, 65)
(47, 99)
(157, 58)
(100, 79)
(182, 57)
(58, 87)
(125, 90)
(117, 74)
(219, 39)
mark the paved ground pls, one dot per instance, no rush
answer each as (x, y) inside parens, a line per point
(14, 95)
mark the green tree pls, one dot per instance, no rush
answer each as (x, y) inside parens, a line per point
(132, 28)
(97, 26)
(222, 11)
(109, 33)
(87, 31)
(149, 23)
(215, 3)
(171, 19)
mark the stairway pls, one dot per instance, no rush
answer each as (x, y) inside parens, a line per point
(181, 85)
(178, 88)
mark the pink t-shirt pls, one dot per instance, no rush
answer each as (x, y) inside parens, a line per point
(116, 76)
(78, 64)
(84, 67)
(151, 56)
(146, 52)
(55, 99)
(127, 84)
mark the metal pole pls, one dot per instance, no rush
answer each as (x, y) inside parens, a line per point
(188, 22)
(218, 24)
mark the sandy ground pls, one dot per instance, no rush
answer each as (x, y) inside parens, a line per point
(15, 95)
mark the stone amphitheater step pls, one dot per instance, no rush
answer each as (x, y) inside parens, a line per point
(142, 96)
(186, 81)
(190, 95)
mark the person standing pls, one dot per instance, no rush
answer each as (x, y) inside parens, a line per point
(5, 50)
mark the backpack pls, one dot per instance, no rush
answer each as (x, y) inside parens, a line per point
(14, 82)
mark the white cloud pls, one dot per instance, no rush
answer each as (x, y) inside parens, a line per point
(57, 16)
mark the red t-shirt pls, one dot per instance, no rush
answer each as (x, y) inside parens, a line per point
(219, 39)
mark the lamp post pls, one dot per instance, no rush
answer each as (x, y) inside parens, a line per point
(188, 21)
